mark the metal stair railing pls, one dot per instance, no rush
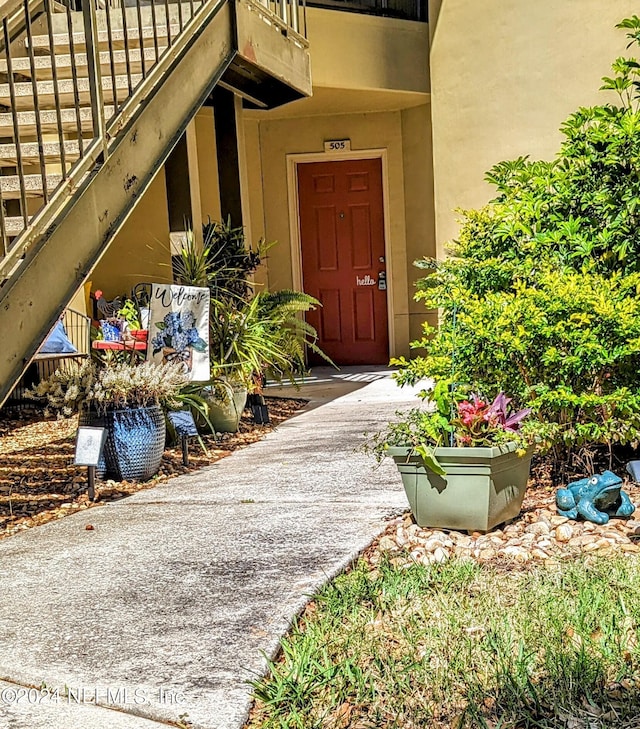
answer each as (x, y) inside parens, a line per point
(74, 78)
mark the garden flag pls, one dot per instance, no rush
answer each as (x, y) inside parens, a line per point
(179, 328)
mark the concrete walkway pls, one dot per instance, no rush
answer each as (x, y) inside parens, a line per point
(166, 608)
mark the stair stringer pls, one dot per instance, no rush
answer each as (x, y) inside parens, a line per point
(56, 265)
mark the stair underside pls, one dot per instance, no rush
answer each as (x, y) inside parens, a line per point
(89, 210)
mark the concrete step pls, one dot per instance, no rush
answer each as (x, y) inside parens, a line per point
(10, 185)
(13, 226)
(60, 21)
(42, 44)
(48, 120)
(46, 97)
(31, 154)
(43, 67)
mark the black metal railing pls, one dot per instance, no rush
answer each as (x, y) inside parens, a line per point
(70, 76)
(405, 9)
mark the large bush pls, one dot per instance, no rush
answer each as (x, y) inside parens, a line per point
(540, 297)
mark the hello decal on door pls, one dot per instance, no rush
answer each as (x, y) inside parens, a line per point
(366, 281)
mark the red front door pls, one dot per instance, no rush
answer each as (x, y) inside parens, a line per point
(343, 264)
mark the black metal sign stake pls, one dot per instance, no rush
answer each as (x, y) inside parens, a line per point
(184, 424)
(259, 409)
(91, 478)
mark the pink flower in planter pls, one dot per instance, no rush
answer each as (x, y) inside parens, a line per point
(470, 412)
(478, 419)
(498, 414)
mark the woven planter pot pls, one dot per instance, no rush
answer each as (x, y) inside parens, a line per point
(482, 488)
(135, 442)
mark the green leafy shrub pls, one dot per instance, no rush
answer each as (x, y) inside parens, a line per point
(453, 419)
(541, 295)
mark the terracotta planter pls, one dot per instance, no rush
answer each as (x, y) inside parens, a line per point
(482, 488)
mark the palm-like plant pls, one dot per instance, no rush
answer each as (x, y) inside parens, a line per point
(267, 335)
(251, 335)
(191, 265)
(221, 262)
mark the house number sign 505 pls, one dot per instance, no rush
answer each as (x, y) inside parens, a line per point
(337, 145)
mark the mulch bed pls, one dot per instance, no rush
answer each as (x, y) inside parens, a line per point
(39, 483)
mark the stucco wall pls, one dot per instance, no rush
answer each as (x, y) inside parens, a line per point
(419, 211)
(207, 164)
(355, 51)
(140, 251)
(257, 230)
(504, 75)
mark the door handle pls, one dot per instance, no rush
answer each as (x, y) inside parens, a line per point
(382, 281)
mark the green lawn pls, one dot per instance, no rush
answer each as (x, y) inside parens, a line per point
(460, 645)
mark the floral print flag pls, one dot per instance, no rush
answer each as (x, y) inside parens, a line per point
(179, 328)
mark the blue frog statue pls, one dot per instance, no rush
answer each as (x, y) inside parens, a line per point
(596, 498)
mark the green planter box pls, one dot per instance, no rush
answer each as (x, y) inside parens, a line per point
(483, 487)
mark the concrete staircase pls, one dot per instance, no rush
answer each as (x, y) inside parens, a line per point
(56, 75)
(94, 101)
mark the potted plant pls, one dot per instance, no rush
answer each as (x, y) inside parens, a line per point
(265, 336)
(125, 399)
(130, 315)
(251, 334)
(464, 461)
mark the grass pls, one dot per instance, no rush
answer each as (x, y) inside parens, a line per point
(460, 645)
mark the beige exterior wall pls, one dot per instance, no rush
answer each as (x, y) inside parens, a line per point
(207, 164)
(355, 51)
(140, 251)
(419, 210)
(504, 75)
(254, 173)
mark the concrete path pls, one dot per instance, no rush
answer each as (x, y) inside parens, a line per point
(166, 608)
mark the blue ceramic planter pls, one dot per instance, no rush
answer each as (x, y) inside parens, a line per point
(135, 442)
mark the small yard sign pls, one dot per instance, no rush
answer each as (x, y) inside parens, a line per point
(89, 444)
(183, 422)
(185, 426)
